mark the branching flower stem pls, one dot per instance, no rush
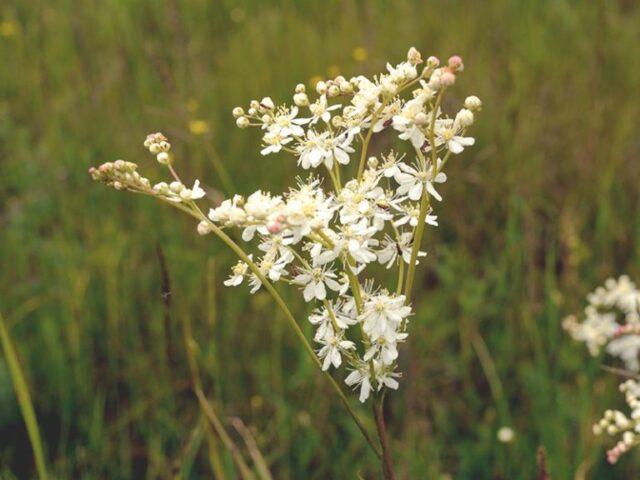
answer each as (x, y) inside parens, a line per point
(424, 201)
(195, 211)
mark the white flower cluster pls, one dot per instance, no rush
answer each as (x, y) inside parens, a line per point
(615, 422)
(611, 321)
(321, 240)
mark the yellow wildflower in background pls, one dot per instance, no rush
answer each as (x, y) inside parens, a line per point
(8, 28)
(360, 54)
(314, 80)
(333, 71)
(198, 127)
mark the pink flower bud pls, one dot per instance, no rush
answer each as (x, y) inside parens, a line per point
(448, 78)
(274, 227)
(455, 63)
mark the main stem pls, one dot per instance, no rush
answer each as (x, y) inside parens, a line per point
(387, 461)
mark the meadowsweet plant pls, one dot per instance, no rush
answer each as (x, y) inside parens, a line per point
(348, 211)
(612, 322)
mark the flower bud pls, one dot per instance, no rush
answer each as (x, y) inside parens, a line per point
(333, 91)
(267, 103)
(465, 118)
(242, 122)
(346, 87)
(420, 118)
(238, 112)
(473, 103)
(163, 158)
(433, 62)
(301, 99)
(300, 88)
(448, 78)
(274, 227)
(321, 87)
(413, 56)
(203, 228)
(372, 162)
(176, 187)
(455, 63)
(254, 104)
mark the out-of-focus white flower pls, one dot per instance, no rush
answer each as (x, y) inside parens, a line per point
(505, 434)
(615, 422)
(612, 321)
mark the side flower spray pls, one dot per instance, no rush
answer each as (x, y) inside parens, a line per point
(612, 323)
(350, 211)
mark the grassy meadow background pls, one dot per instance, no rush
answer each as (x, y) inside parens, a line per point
(539, 212)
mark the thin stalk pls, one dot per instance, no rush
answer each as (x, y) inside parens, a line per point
(245, 471)
(207, 410)
(424, 201)
(387, 461)
(367, 139)
(400, 275)
(24, 400)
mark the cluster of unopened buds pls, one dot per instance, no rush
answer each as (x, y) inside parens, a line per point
(614, 422)
(353, 211)
(611, 321)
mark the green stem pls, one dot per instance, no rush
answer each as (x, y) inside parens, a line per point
(387, 460)
(424, 201)
(24, 400)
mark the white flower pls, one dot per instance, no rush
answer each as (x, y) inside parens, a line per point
(447, 133)
(238, 273)
(285, 124)
(259, 207)
(320, 110)
(383, 314)
(383, 350)
(193, 193)
(332, 348)
(391, 247)
(412, 181)
(314, 281)
(410, 212)
(410, 121)
(317, 149)
(229, 212)
(270, 267)
(361, 376)
(274, 141)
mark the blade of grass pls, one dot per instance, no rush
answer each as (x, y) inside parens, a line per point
(24, 400)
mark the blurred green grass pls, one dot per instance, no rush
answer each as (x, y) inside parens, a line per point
(538, 213)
